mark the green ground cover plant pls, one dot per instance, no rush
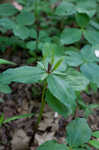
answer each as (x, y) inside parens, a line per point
(66, 33)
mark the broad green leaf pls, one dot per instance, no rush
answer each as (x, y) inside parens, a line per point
(4, 88)
(78, 132)
(88, 54)
(50, 50)
(11, 41)
(76, 80)
(7, 10)
(92, 36)
(94, 143)
(53, 1)
(24, 74)
(33, 33)
(65, 9)
(85, 6)
(96, 134)
(62, 91)
(82, 19)
(94, 24)
(52, 145)
(17, 117)
(3, 61)
(70, 35)
(45, 8)
(22, 2)
(21, 32)
(7, 23)
(91, 71)
(43, 35)
(73, 58)
(31, 45)
(56, 105)
(25, 18)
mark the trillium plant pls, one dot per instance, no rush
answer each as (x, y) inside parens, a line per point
(68, 66)
(62, 85)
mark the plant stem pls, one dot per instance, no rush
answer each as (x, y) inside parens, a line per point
(42, 105)
(36, 9)
(76, 114)
(37, 22)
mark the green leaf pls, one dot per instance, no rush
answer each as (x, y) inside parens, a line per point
(22, 2)
(24, 74)
(33, 33)
(94, 87)
(70, 35)
(81, 103)
(76, 80)
(25, 18)
(43, 35)
(62, 91)
(88, 54)
(56, 105)
(2, 61)
(7, 10)
(58, 63)
(79, 149)
(91, 71)
(52, 145)
(85, 6)
(73, 58)
(59, 68)
(7, 23)
(78, 132)
(94, 143)
(50, 50)
(4, 88)
(96, 134)
(82, 20)
(94, 24)
(52, 53)
(65, 9)
(17, 117)
(21, 32)
(92, 36)
(31, 45)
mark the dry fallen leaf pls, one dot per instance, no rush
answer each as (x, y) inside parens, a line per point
(20, 140)
(40, 139)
